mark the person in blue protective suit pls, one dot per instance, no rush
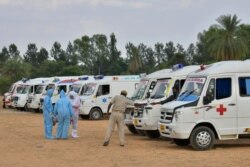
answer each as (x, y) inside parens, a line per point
(48, 114)
(64, 112)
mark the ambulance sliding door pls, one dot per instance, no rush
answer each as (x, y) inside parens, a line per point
(223, 107)
(243, 103)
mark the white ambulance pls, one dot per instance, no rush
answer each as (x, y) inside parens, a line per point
(98, 94)
(33, 101)
(79, 86)
(214, 104)
(58, 85)
(147, 117)
(29, 87)
(142, 92)
(7, 96)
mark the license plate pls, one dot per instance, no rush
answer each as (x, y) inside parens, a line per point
(162, 127)
(135, 121)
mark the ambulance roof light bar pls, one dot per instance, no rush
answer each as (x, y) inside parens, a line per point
(177, 67)
(98, 77)
(202, 67)
(84, 78)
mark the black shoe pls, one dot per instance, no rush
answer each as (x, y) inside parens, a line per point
(106, 143)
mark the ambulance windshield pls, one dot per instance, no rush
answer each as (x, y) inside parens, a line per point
(90, 89)
(76, 88)
(192, 89)
(19, 89)
(140, 90)
(160, 89)
(39, 89)
(26, 89)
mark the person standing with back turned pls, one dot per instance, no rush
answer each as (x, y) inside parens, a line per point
(119, 103)
(48, 114)
(64, 112)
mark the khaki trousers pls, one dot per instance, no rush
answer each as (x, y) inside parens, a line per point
(116, 118)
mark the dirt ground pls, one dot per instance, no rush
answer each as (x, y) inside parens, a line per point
(22, 145)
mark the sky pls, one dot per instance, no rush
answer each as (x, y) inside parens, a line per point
(137, 21)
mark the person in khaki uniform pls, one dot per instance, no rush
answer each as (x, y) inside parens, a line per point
(119, 103)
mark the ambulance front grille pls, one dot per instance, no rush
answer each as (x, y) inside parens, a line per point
(166, 116)
(138, 113)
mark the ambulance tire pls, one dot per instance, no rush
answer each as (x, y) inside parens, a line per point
(152, 134)
(181, 142)
(132, 129)
(26, 107)
(95, 114)
(202, 138)
(141, 132)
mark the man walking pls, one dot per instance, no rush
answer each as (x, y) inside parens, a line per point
(119, 103)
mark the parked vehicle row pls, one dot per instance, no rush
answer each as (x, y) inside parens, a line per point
(95, 92)
(213, 103)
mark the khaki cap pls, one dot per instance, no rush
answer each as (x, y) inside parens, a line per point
(124, 92)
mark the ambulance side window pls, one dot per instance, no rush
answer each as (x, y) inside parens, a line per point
(210, 90)
(223, 88)
(244, 86)
(152, 85)
(103, 90)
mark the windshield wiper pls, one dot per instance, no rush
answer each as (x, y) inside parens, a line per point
(188, 93)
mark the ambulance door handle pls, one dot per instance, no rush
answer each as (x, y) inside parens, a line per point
(231, 104)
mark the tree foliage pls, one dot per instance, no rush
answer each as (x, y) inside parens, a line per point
(98, 54)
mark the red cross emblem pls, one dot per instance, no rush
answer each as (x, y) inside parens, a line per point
(221, 109)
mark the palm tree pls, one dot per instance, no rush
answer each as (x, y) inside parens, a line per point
(226, 41)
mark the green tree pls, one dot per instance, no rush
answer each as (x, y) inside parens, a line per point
(226, 42)
(71, 57)
(42, 55)
(115, 61)
(83, 49)
(4, 55)
(16, 69)
(31, 55)
(159, 53)
(14, 52)
(169, 50)
(134, 58)
(58, 53)
(100, 53)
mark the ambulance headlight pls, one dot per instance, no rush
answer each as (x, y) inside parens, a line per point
(177, 115)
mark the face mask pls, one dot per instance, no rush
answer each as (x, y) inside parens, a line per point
(71, 96)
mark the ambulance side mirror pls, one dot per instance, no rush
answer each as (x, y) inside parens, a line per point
(206, 100)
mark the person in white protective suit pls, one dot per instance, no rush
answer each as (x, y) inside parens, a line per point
(75, 102)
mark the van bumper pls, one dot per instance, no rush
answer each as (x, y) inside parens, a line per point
(181, 130)
(145, 124)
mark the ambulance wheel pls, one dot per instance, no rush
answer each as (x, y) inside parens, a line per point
(181, 142)
(95, 114)
(132, 129)
(26, 107)
(153, 134)
(202, 138)
(141, 132)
